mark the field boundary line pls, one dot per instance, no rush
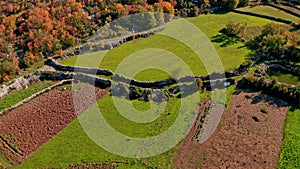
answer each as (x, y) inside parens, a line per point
(28, 99)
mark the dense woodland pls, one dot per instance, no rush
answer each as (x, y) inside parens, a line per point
(33, 29)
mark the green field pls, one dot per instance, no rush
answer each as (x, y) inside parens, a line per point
(73, 146)
(270, 11)
(290, 153)
(20, 95)
(231, 56)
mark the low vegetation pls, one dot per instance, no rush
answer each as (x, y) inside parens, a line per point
(20, 95)
(271, 11)
(290, 153)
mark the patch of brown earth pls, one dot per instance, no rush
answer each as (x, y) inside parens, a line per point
(249, 136)
(24, 130)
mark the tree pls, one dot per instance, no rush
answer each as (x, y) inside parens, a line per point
(235, 29)
(232, 4)
(244, 3)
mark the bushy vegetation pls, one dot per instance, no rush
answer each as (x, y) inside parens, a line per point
(277, 42)
(289, 93)
(274, 42)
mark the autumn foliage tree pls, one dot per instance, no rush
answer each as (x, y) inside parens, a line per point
(277, 42)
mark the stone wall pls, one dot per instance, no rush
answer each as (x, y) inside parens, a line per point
(93, 71)
(18, 84)
(266, 17)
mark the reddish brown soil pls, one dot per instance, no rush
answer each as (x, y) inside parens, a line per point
(25, 129)
(245, 138)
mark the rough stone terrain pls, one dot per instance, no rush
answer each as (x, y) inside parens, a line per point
(25, 129)
(249, 136)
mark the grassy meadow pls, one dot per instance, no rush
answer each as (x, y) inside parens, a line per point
(231, 55)
(285, 78)
(290, 153)
(271, 11)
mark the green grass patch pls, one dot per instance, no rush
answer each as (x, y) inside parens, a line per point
(285, 77)
(152, 75)
(20, 95)
(133, 129)
(270, 11)
(4, 163)
(290, 153)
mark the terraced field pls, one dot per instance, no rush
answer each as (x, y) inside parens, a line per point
(270, 11)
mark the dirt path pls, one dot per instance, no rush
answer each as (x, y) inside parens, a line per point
(249, 136)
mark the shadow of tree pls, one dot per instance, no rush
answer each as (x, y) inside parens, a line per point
(261, 97)
(224, 39)
(251, 55)
(269, 99)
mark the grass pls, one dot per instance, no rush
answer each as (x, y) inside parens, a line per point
(270, 11)
(20, 95)
(290, 153)
(285, 78)
(231, 56)
(73, 146)
(4, 163)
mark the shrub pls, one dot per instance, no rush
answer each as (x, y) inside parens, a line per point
(232, 4)
(235, 29)
(264, 110)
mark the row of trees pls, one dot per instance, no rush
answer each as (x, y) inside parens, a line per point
(286, 92)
